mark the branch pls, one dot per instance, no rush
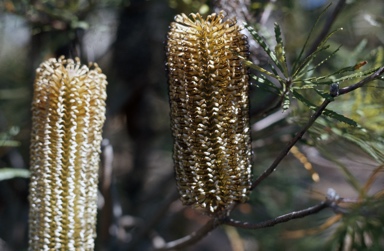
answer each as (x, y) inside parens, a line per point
(213, 223)
(280, 219)
(313, 118)
(364, 81)
(153, 220)
(191, 238)
(285, 151)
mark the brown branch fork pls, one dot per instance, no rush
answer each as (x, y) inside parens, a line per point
(329, 202)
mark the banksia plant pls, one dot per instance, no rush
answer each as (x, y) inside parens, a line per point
(208, 90)
(68, 112)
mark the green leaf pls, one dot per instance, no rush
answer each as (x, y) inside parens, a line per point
(10, 173)
(304, 87)
(266, 84)
(301, 65)
(355, 75)
(286, 102)
(305, 101)
(325, 60)
(261, 70)
(261, 41)
(333, 76)
(280, 50)
(297, 61)
(339, 117)
(326, 112)
(324, 95)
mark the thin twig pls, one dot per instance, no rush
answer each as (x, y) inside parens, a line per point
(280, 219)
(313, 118)
(191, 238)
(153, 220)
(285, 151)
(327, 26)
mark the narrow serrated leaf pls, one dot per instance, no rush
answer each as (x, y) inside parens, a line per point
(279, 39)
(304, 87)
(305, 101)
(340, 79)
(339, 117)
(326, 59)
(326, 112)
(297, 61)
(324, 95)
(261, 70)
(280, 50)
(355, 75)
(286, 102)
(265, 83)
(261, 41)
(322, 46)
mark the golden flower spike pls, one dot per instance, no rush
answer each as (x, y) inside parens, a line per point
(208, 89)
(68, 112)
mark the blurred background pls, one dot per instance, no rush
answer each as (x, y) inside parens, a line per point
(138, 201)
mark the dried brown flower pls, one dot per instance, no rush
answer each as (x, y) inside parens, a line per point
(68, 112)
(208, 89)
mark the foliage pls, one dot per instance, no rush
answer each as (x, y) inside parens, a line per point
(300, 79)
(299, 83)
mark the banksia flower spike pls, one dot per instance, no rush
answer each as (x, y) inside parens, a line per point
(208, 89)
(68, 112)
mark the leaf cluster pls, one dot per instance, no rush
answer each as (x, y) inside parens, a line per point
(299, 83)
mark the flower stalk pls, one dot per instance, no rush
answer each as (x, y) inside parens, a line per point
(68, 112)
(208, 90)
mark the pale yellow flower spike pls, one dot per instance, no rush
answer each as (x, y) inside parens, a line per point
(208, 89)
(68, 112)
